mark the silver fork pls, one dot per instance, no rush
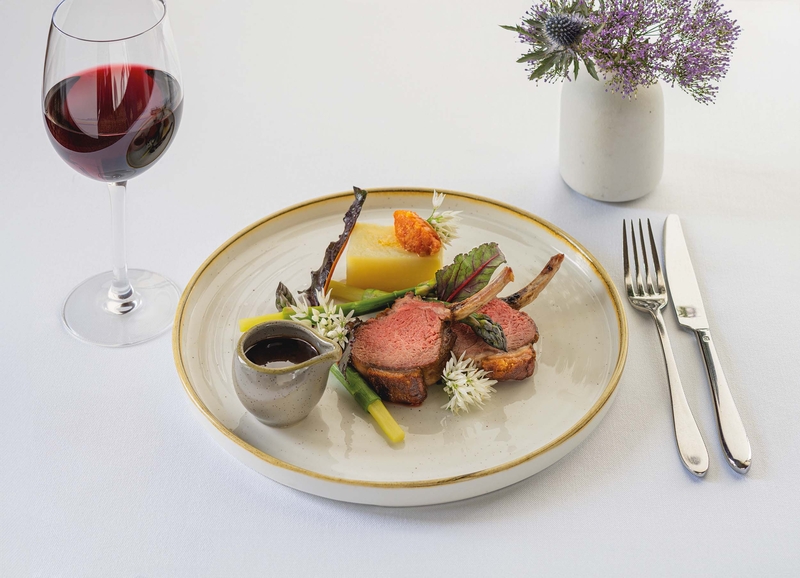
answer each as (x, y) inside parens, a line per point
(645, 295)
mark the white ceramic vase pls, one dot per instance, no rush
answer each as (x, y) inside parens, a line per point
(611, 148)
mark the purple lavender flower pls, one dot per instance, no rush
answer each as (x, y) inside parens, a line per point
(633, 42)
(695, 47)
(622, 44)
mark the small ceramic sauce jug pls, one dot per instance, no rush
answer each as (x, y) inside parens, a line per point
(280, 394)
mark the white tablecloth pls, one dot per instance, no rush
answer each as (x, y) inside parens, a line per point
(105, 470)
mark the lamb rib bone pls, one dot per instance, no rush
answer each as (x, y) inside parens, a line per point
(531, 291)
(463, 309)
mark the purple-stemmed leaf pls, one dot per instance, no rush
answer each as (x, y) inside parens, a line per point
(469, 273)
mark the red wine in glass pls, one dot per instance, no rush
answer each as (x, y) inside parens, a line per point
(112, 100)
(112, 122)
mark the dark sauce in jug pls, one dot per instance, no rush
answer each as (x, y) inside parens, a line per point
(280, 351)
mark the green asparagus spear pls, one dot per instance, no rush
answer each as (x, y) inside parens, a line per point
(361, 307)
(369, 402)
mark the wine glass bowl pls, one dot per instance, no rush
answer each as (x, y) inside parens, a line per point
(107, 139)
(112, 102)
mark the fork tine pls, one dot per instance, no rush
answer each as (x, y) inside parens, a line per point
(625, 264)
(639, 287)
(648, 280)
(656, 265)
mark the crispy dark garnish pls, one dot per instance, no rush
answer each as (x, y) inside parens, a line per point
(322, 276)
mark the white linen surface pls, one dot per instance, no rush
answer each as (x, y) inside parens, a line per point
(106, 471)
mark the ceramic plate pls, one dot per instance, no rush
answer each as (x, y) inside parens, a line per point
(337, 452)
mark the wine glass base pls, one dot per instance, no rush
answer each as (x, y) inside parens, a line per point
(89, 315)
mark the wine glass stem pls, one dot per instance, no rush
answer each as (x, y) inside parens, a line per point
(121, 297)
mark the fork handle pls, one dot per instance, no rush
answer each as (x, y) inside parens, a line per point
(690, 443)
(731, 429)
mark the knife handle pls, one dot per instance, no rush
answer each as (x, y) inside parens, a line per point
(731, 429)
(691, 446)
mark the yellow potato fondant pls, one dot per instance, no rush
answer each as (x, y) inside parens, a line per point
(375, 260)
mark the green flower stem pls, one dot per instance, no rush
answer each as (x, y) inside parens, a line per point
(361, 307)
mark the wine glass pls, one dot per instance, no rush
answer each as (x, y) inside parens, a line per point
(112, 103)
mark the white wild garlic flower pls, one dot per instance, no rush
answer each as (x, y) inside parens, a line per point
(330, 322)
(443, 223)
(438, 199)
(466, 384)
(302, 311)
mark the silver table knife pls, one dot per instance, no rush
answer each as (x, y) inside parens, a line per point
(691, 314)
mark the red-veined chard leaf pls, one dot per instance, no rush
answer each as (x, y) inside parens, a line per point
(469, 273)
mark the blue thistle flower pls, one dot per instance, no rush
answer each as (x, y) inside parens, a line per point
(564, 30)
(554, 29)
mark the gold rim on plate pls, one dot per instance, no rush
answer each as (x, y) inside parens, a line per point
(552, 229)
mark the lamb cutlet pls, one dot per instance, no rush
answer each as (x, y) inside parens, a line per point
(405, 348)
(521, 333)
(519, 361)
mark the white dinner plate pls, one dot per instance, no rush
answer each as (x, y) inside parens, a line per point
(337, 452)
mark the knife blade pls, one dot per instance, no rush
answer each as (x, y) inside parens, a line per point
(687, 303)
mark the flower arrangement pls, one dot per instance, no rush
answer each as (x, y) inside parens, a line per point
(631, 43)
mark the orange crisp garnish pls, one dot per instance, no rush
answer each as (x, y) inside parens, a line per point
(415, 234)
